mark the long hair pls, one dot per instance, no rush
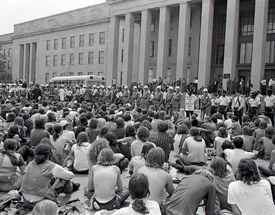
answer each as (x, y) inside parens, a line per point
(96, 148)
(139, 189)
(247, 172)
(155, 158)
(218, 166)
(57, 130)
(106, 157)
(130, 131)
(82, 138)
(10, 145)
(41, 153)
(195, 133)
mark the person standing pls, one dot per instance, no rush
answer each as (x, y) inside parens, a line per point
(158, 97)
(145, 99)
(238, 104)
(168, 100)
(269, 102)
(205, 104)
(190, 100)
(223, 104)
(61, 93)
(135, 96)
(176, 102)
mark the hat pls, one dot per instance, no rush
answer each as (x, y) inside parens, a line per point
(177, 87)
(63, 123)
(170, 88)
(205, 90)
(158, 87)
(109, 87)
(135, 87)
(125, 87)
(145, 87)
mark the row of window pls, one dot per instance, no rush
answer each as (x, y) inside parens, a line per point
(81, 40)
(90, 59)
(245, 53)
(247, 23)
(5, 52)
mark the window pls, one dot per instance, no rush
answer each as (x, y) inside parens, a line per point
(81, 41)
(270, 52)
(245, 53)
(91, 39)
(63, 59)
(80, 58)
(80, 73)
(48, 45)
(271, 21)
(168, 76)
(101, 57)
(220, 55)
(71, 73)
(64, 43)
(9, 64)
(171, 27)
(152, 49)
(55, 60)
(47, 60)
(47, 78)
(170, 47)
(151, 75)
(54, 74)
(55, 46)
(123, 35)
(90, 73)
(9, 52)
(72, 42)
(191, 19)
(71, 59)
(90, 57)
(101, 38)
(189, 46)
(122, 55)
(221, 26)
(247, 23)
(153, 23)
(4, 52)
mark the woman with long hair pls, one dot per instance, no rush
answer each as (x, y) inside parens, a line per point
(222, 136)
(9, 162)
(78, 157)
(182, 134)
(124, 144)
(139, 192)
(250, 194)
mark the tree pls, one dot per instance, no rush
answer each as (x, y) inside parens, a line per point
(2, 61)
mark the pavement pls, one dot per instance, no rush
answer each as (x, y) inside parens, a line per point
(83, 180)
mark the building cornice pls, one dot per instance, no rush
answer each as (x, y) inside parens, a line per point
(17, 36)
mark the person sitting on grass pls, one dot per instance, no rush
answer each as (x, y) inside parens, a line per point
(105, 181)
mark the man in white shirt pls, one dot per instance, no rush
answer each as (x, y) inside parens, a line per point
(233, 156)
(61, 93)
(269, 102)
(190, 100)
(223, 104)
(238, 104)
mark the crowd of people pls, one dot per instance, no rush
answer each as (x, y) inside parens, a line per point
(48, 134)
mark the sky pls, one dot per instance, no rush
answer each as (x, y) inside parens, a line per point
(17, 11)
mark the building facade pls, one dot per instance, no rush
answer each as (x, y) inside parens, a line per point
(139, 40)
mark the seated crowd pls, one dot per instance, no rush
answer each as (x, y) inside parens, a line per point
(42, 147)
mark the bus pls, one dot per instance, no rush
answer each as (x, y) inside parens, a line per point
(88, 80)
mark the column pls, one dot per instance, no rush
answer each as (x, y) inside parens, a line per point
(128, 49)
(113, 50)
(32, 76)
(163, 36)
(231, 40)
(145, 35)
(206, 42)
(183, 40)
(21, 61)
(259, 43)
(26, 62)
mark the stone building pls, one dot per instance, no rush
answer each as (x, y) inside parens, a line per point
(139, 40)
